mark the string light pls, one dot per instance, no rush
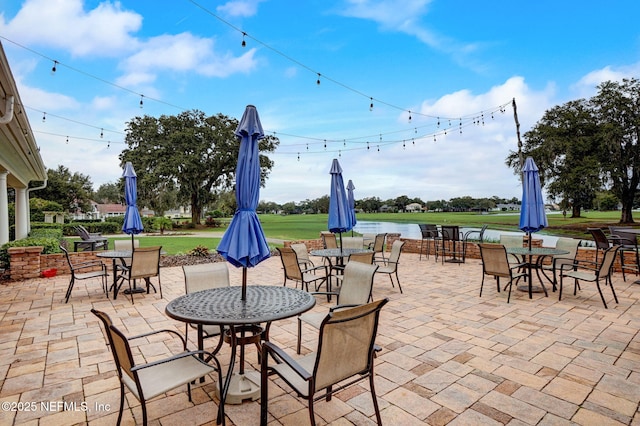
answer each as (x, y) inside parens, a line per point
(371, 105)
(54, 68)
(141, 100)
(244, 43)
(298, 156)
(67, 140)
(318, 80)
(409, 116)
(44, 117)
(101, 133)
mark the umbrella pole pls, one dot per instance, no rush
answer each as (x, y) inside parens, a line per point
(244, 283)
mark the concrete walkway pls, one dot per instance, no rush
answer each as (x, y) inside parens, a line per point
(449, 356)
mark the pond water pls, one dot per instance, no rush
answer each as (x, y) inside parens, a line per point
(412, 230)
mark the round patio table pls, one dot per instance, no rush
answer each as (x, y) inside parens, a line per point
(224, 307)
(540, 253)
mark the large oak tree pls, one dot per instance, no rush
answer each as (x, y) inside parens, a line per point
(193, 153)
(585, 145)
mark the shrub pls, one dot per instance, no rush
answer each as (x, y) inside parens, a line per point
(200, 251)
(51, 245)
(46, 233)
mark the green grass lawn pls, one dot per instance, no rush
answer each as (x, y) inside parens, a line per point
(307, 227)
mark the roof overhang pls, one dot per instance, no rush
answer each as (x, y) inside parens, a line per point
(19, 153)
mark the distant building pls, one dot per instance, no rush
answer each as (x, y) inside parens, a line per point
(413, 207)
(507, 207)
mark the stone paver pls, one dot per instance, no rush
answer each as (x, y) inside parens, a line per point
(449, 356)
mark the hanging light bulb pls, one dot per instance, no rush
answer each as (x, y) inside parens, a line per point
(141, 101)
(67, 140)
(108, 144)
(244, 43)
(44, 117)
(371, 105)
(298, 156)
(54, 68)
(101, 133)
(318, 81)
(409, 116)
(339, 153)
(367, 144)
(325, 144)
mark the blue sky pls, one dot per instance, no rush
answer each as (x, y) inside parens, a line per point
(439, 61)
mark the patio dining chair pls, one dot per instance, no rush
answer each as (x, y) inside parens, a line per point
(353, 243)
(125, 245)
(357, 284)
(145, 264)
(628, 243)
(585, 273)
(148, 380)
(346, 335)
(452, 244)
(429, 235)
(203, 277)
(495, 263)
(303, 255)
(512, 241)
(391, 267)
(563, 261)
(293, 271)
(85, 271)
(378, 247)
(329, 240)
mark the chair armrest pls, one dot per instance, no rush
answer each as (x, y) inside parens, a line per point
(345, 306)
(175, 357)
(316, 268)
(89, 264)
(518, 266)
(165, 330)
(284, 357)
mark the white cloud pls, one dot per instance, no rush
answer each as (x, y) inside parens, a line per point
(183, 53)
(103, 31)
(240, 8)
(587, 86)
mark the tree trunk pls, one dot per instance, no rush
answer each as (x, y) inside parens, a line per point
(575, 211)
(627, 215)
(195, 215)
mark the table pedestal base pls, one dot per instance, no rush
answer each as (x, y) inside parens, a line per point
(534, 288)
(242, 387)
(134, 290)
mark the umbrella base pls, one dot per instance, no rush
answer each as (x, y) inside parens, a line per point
(241, 388)
(134, 290)
(534, 288)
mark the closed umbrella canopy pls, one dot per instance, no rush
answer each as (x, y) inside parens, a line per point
(339, 216)
(532, 214)
(244, 244)
(352, 203)
(132, 221)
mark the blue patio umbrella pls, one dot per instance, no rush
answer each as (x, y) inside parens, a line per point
(244, 244)
(532, 215)
(132, 222)
(339, 216)
(352, 204)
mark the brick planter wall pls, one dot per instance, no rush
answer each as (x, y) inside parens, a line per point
(27, 262)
